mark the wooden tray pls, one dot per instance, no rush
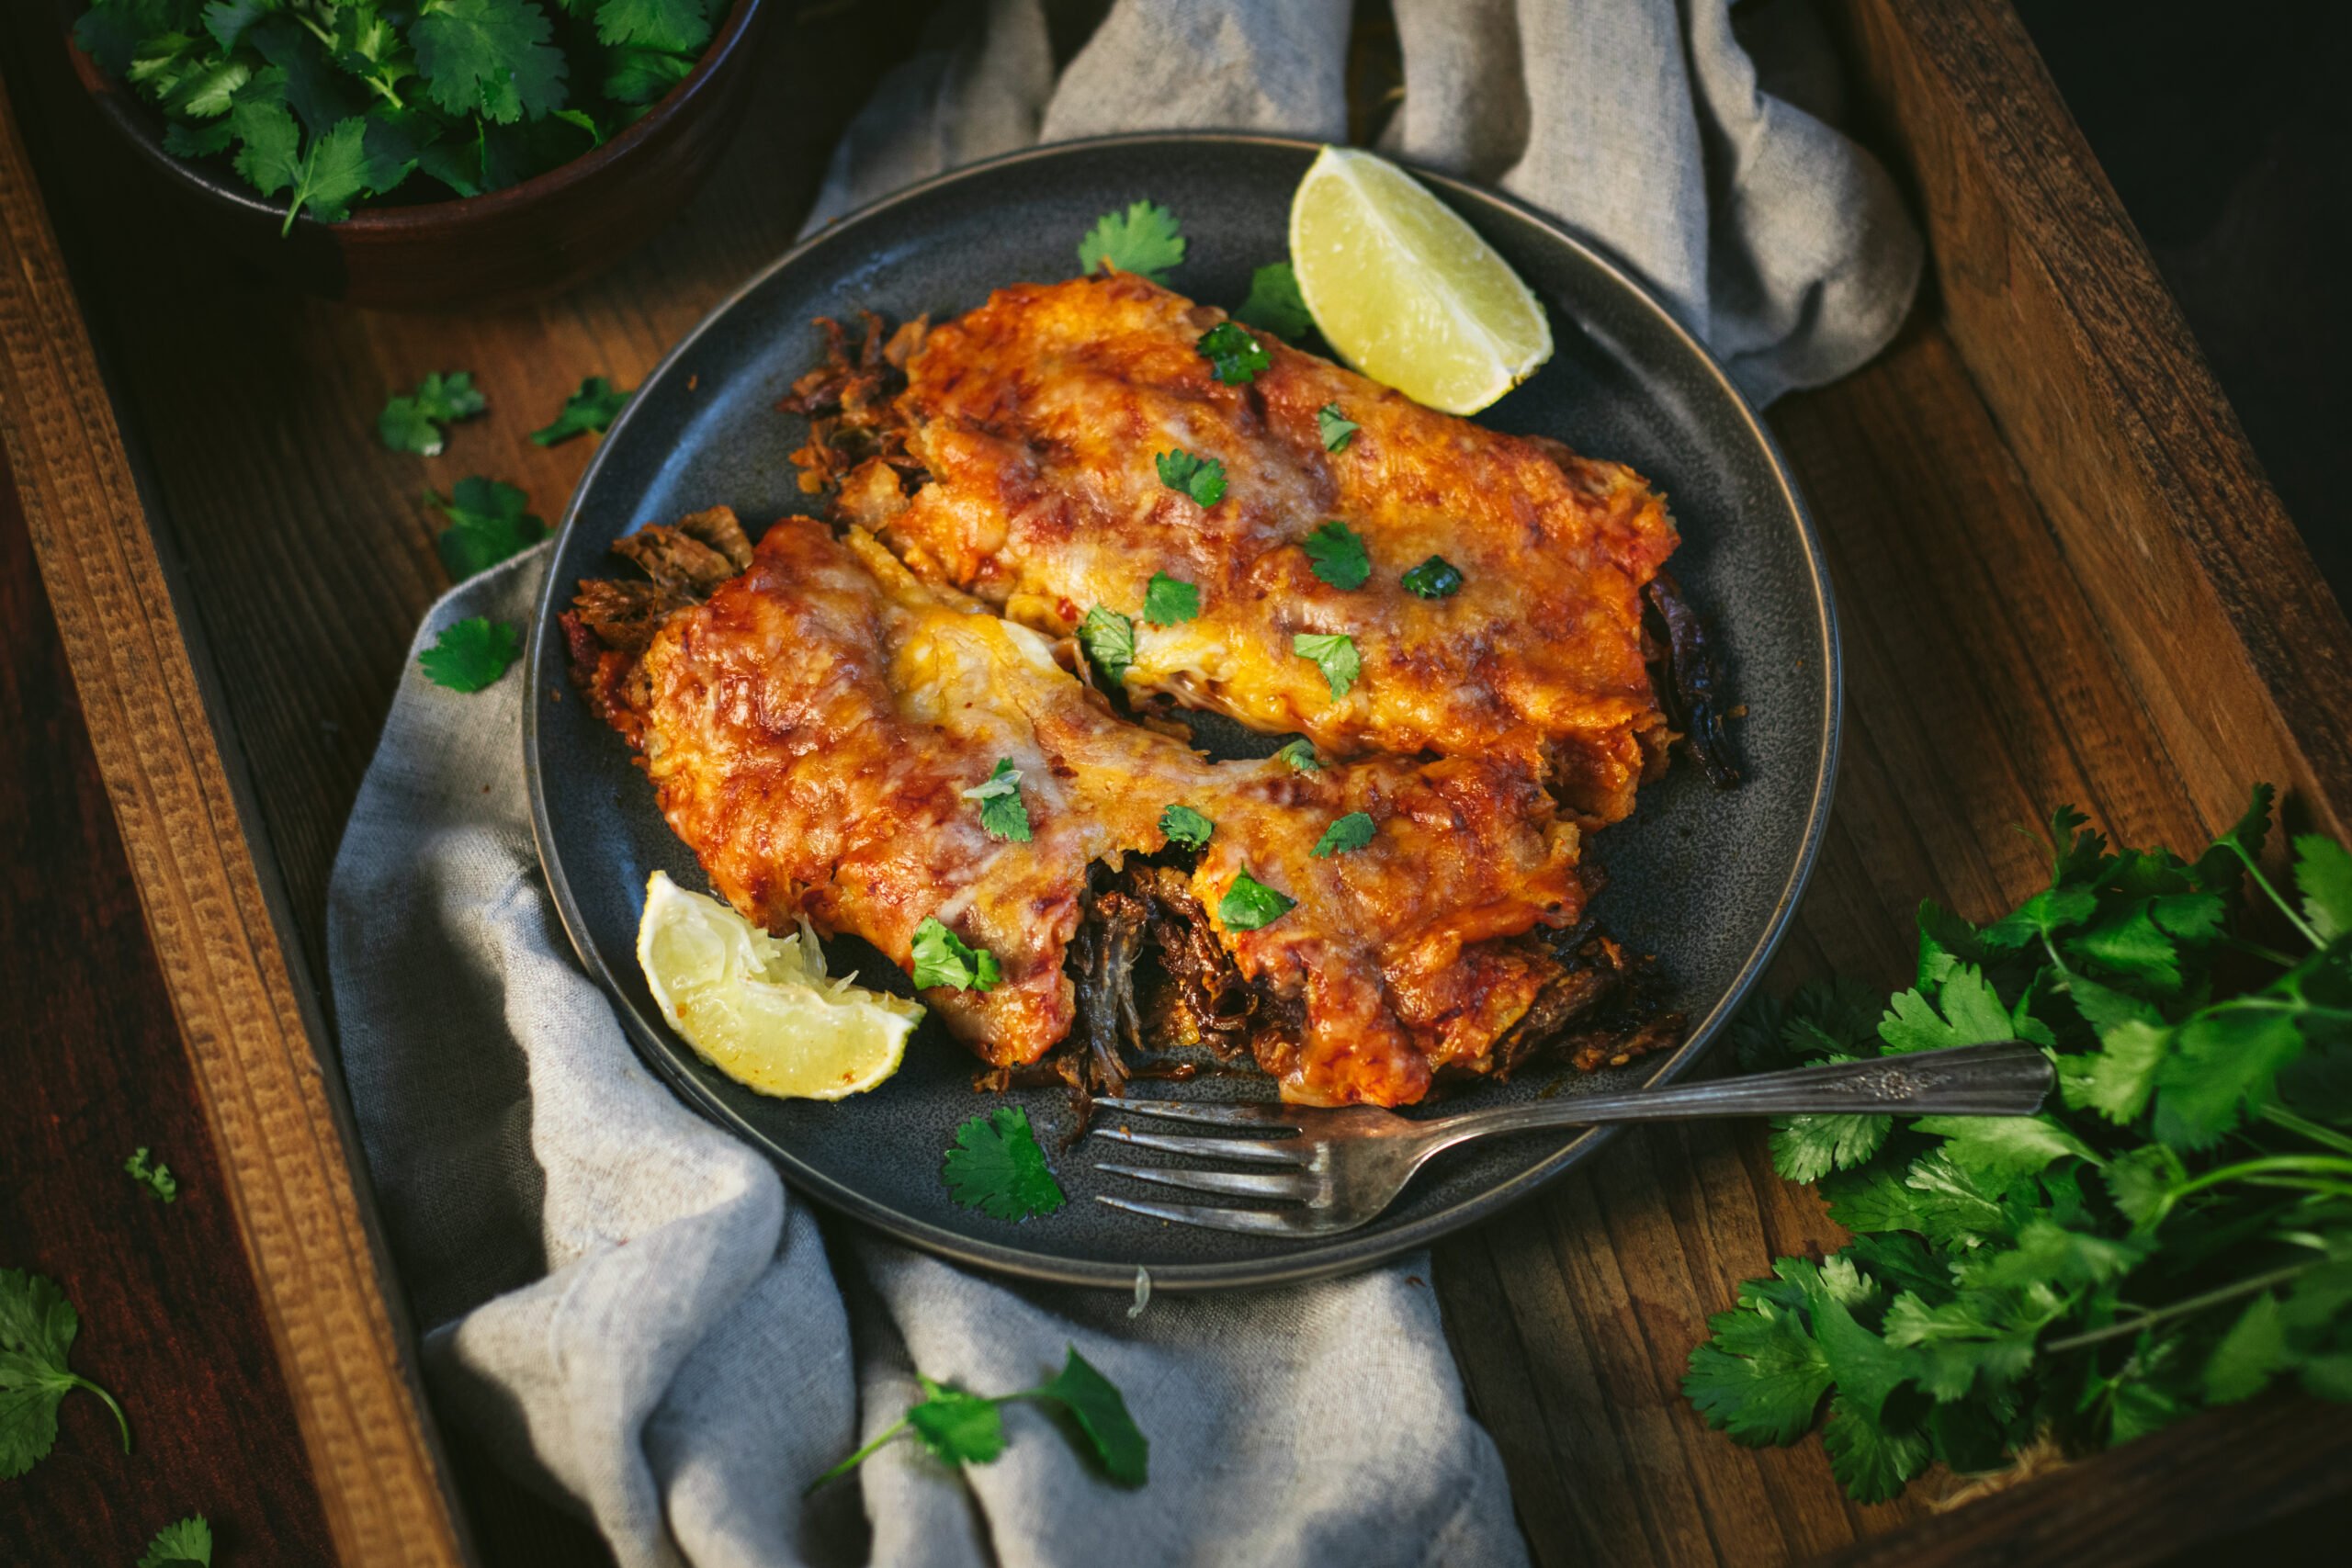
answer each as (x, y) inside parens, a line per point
(2061, 579)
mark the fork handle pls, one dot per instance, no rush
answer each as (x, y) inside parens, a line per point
(2010, 1078)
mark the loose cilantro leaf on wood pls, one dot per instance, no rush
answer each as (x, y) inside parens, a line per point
(1234, 357)
(37, 1329)
(1169, 601)
(419, 422)
(591, 409)
(1276, 304)
(961, 1428)
(1346, 833)
(2176, 1231)
(1339, 556)
(1186, 827)
(155, 1177)
(1436, 578)
(996, 1168)
(1300, 755)
(1334, 654)
(1001, 812)
(1108, 639)
(1144, 240)
(941, 958)
(470, 654)
(189, 1541)
(1249, 905)
(1337, 429)
(488, 523)
(1202, 478)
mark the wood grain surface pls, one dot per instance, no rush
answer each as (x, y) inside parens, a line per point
(1988, 681)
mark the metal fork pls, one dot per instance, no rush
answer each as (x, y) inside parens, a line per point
(1343, 1166)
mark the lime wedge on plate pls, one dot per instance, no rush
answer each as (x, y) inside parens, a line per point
(1406, 290)
(760, 1009)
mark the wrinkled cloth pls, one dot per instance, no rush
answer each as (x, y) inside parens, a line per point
(621, 1302)
(1690, 142)
(625, 1304)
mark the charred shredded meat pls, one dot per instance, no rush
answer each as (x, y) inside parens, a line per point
(849, 401)
(1690, 683)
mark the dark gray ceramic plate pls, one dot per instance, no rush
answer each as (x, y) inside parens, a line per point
(1704, 879)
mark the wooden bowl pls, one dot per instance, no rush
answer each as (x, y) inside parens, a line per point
(521, 242)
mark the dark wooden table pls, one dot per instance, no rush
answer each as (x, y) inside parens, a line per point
(1992, 673)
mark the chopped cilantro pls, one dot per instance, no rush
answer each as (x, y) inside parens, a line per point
(1338, 555)
(961, 1428)
(1169, 601)
(418, 422)
(996, 1168)
(1436, 578)
(1144, 240)
(1276, 304)
(591, 409)
(1108, 639)
(1186, 827)
(941, 958)
(1334, 654)
(488, 523)
(1337, 428)
(1234, 357)
(1352, 831)
(1001, 812)
(1249, 905)
(37, 1329)
(470, 654)
(1300, 755)
(156, 1177)
(1202, 478)
(188, 1541)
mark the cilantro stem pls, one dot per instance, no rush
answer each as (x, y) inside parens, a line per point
(2180, 1308)
(2280, 1117)
(2279, 1004)
(81, 1381)
(884, 1436)
(2263, 883)
(2263, 1172)
(2266, 954)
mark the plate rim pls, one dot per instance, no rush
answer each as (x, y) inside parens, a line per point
(1316, 1259)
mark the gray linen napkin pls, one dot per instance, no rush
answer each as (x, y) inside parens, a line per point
(622, 1301)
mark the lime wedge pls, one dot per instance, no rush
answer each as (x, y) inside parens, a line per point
(1406, 290)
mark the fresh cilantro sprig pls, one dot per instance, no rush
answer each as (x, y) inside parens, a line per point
(1144, 240)
(2175, 1232)
(1436, 578)
(489, 521)
(471, 654)
(958, 1427)
(1335, 654)
(1345, 835)
(1337, 554)
(1336, 428)
(37, 1329)
(1300, 755)
(1003, 815)
(943, 958)
(1275, 305)
(589, 411)
(996, 1168)
(1249, 905)
(155, 1177)
(419, 420)
(1202, 478)
(1171, 600)
(1186, 827)
(188, 1541)
(1234, 357)
(1108, 639)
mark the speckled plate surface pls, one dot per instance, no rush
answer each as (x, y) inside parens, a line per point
(1705, 879)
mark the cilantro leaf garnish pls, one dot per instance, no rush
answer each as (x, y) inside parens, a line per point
(679, 26)
(1234, 357)
(1249, 905)
(156, 1177)
(591, 409)
(2174, 1232)
(37, 1329)
(1186, 827)
(1338, 430)
(1436, 578)
(188, 1541)
(1169, 601)
(996, 1168)
(962, 1427)
(1202, 478)
(419, 422)
(1001, 812)
(1276, 304)
(1339, 556)
(1335, 654)
(470, 654)
(941, 958)
(1108, 639)
(1352, 831)
(489, 521)
(491, 57)
(1144, 240)
(1300, 755)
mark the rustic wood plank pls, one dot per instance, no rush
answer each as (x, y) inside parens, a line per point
(279, 1144)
